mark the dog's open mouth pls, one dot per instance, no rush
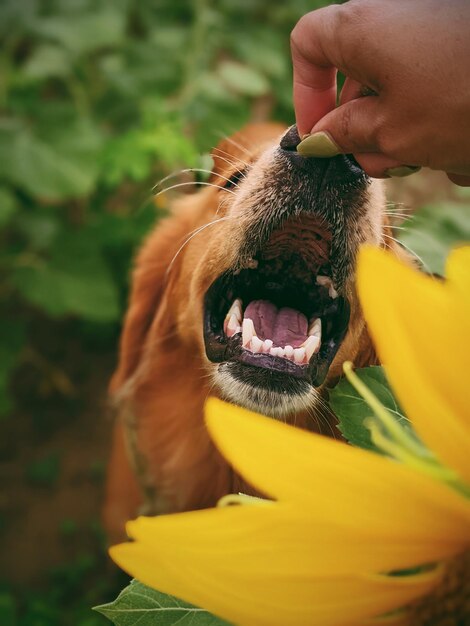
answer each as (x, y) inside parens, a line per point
(283, 312)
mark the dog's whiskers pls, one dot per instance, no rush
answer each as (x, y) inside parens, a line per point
(222, 204)
(235, 143)
(191, 236)
(230, 161)
(314, 417)
(192, 182)
(161, 339)
(400, 219)
(211, 388)
(400, 243)
(399, 214)
(324, 414)
(418, 232)
(190, 169)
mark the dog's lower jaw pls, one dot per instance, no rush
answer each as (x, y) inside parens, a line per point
(278, 404)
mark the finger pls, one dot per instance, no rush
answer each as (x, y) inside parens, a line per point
(376, 165)
(322, 42)
(350, 128)
(311, 103)
(459, 179)
(315, 59)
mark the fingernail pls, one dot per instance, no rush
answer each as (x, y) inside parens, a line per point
(319, 145)
(402, 170)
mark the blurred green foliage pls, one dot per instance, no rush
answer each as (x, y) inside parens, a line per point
(98, 100)
(435, 229)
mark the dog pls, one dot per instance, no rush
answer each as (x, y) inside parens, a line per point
(246, 291)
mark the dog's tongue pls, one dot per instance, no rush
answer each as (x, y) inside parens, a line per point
(285, 327)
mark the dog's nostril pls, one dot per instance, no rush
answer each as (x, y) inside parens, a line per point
(339, 169)
(291, 139)
(288, 148)
(344, 168)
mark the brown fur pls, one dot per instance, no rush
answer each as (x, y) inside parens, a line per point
(163, 459)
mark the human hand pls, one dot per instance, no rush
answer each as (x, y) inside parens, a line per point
(406, 98)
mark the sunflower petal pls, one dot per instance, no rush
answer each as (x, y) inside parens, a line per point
(255, 581)
(349, 492)
(421, 328)
(458, 273)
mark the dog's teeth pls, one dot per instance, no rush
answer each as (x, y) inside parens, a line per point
(277, 351)
(256, 345)
(289, 352)
(251, 264)
(232, 327)
(233, 319)
(315, 328)
(323, 281)
(299, 356)
(267, 345)
(248, 331)
(236, 310)
(311, 345)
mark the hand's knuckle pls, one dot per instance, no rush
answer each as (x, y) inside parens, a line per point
(301, 35)
(348, 16)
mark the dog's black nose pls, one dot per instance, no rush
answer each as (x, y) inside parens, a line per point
(339, 169)
(291, 139)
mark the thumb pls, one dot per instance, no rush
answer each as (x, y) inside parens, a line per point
(352, 126)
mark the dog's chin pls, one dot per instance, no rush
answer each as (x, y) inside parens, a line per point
(267, 392)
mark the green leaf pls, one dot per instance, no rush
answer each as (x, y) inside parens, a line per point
(243, 79)
(433, 230)
(7, 205)
(267, 52)
(63, 166)
(76, 280)
(39, 229)
(16, 16)
(351, 409)
(138, 604)
(84, 32)
(47, 61)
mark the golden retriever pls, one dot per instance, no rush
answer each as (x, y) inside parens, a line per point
(245, 292)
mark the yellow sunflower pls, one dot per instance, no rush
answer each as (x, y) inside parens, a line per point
(341, 517)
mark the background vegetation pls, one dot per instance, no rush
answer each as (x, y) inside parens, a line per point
(98, 100)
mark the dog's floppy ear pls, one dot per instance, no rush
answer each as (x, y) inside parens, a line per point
(162, 458)
(149, 280)
(233, 150)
